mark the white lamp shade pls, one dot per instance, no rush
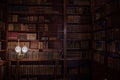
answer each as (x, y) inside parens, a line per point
(24, 49)
(18, 49)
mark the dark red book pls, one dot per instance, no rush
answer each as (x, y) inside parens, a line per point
(12, 35)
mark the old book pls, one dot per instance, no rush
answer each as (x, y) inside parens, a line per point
(23, 27)
(10, 27)
(22, 36)
(12, 35)
(31, 36)
(34, 44)
(41, 45)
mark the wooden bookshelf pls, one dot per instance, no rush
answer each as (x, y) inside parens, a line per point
(106, 31)
(77, 39)
(33, 28)
(51, 30)
(57, 34)
(35, 23)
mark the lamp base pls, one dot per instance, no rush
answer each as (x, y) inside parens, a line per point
(20, 56)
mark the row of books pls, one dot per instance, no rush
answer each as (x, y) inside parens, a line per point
(81, 36)
(35, 9)
(36, 69)
(30, 45)
(22, 36)
(79, 54)
(78, 19)
(78, 44)
(112, 47)
(32, 18)
(34, 54)
(45, 2)
(29, 36)
(75, 54)
(21, 27)
(78, 10)
(28, 27)
(111, 62)
(79, 28)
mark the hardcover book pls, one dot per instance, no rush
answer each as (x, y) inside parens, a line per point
(12, 35)
(34, 44)
(31, 36)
